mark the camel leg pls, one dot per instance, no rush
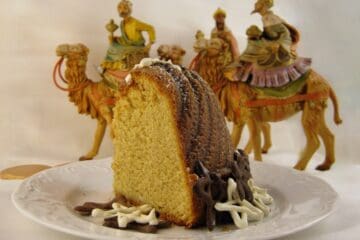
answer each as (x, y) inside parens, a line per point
(310, 124)
(108, 117)
(255, 138)
(312, 145)
(236, 134)
(266, 130)
(249, 147)
(99, 135)
(329, 142)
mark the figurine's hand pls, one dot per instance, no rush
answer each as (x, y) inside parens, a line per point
(225, 36)
(276, 47)
(221, 34)
(273, 47)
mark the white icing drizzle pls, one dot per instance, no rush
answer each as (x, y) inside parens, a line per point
(144, 214)
(261, 197)
(242, 211)
(146, 62)
(128, 79)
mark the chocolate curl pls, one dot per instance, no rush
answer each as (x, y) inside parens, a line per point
(203, 189)
(211, 187)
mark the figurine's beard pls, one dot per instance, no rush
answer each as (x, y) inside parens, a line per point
(220, 26)
(125, 14)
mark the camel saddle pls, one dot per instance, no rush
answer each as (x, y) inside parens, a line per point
(272, 80)
(115, 79)
(285, 91)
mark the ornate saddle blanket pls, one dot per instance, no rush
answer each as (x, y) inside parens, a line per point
(285, 91)
(115, 79)
(271, 78)
(123, 57)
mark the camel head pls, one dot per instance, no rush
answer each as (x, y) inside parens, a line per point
(174, 53)
(210, 64)
(75, 56)
(72, 51)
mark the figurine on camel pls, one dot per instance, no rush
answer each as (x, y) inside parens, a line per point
(98, 98)
(269, 82)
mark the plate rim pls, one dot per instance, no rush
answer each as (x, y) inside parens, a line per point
(84, 234)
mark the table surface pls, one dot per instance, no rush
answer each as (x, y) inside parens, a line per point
(343, 224)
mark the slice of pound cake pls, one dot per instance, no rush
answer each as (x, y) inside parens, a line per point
(173, 151)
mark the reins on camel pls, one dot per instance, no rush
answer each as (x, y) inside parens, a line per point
(57, 69)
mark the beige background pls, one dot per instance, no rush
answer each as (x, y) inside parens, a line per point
(39, 125)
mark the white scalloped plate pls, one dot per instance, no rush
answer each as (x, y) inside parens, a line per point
(301, 200)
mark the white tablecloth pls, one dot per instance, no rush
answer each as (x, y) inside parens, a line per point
(39, 125)
(343, 224)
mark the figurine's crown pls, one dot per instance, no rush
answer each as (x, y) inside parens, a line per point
(218, 12)
(267, 3)
(127, 2)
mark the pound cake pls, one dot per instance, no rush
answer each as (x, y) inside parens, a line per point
(173, 151)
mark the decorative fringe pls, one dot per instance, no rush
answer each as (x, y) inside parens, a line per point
(278, 77)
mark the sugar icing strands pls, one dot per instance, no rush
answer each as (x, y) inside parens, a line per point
(144, 214)
(242, 211)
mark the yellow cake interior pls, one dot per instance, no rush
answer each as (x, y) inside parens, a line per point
(149, 165)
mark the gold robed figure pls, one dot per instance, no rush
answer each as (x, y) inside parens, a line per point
(128, 49)
(97, 99)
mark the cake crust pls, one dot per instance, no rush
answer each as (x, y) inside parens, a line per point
(202, 137)
(182, 119)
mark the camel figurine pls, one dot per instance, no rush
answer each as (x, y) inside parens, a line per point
(173, 53)
(210, 65)
(94, 99)
(243, 104)
(269, 82)
(124, 52)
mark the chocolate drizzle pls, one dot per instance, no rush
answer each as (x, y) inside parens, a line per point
(211, 186)
(206, 187)
(87, 208)
(197, 114)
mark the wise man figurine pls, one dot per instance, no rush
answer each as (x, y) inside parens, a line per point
(128, 49)
(270, 59)
(223, 32)
(276, 29)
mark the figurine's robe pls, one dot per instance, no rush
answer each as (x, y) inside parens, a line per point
(271, 62)
(128, 49)
(227, 36)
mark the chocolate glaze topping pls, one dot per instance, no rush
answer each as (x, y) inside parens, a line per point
(202, 125)
(188, 108)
